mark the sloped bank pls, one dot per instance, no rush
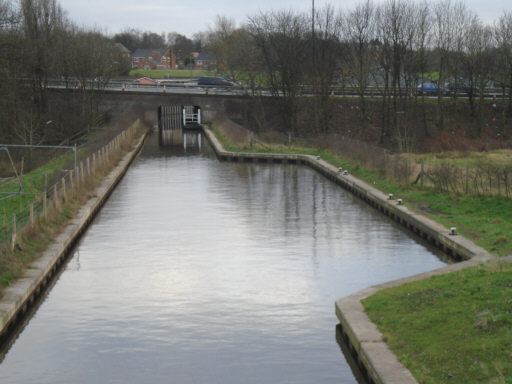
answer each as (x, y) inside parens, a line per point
(19, 296)
(374, 357)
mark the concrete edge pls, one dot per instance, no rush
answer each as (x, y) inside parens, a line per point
(18, 297)
(362, 336)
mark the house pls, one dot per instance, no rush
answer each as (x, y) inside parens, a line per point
(125, 52)
(153, 59)
(145, 81)
(204, 60)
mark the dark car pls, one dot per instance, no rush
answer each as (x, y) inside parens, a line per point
(214, 81)
(463, 88)
(430, 88)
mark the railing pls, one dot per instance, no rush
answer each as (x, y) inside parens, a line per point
(192, 87)
(53, 197)
(191, 115)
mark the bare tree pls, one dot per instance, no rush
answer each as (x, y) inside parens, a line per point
(41, 20)
(503, 37)
(328, 52)
(479, 61)
(420, 44)
(443, 42)
(219, 43)
(395, 21)
(282, 38)
(360, 33)
(131, 38)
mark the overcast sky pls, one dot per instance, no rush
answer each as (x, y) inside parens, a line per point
(190, 16)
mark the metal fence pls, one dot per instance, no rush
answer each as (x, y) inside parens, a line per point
(54, 196)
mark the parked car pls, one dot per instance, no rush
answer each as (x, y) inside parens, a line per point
(430, 88)
(214, 81)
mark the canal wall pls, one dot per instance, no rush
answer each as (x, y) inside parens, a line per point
(375, 359)
(19, 296)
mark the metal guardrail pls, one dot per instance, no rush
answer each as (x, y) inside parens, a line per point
(192, 87)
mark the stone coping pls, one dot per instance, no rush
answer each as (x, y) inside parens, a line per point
(364, 339)
(18, 296)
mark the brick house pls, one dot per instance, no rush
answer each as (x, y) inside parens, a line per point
(153, 59)
(204, 60)
(125, 52)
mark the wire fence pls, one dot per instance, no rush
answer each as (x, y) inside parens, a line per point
(479, 177)
(53, 197)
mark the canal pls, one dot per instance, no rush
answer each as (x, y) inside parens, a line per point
(200, 271)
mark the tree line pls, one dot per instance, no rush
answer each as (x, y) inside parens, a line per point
(37, 43)
(392, 46)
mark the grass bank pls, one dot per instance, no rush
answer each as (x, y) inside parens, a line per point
(454, 328)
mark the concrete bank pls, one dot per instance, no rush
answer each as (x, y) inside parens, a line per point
(18, 297)
(375, 359)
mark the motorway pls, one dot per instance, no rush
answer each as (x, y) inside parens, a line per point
(189, 86)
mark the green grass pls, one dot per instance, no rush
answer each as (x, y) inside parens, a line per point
(455, 328)
(33, 185)
(161, 74)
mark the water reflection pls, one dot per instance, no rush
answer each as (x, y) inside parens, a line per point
(198, 271)
(359, 372)
(189, 140)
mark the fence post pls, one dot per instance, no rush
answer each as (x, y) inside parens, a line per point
(88, 166)
(13, 237)
(71, 181)
(45, 208)
(467, 179)
(81, 171)
(422, 173)
(55, 197)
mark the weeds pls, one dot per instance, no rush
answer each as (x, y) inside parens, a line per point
(34, 237)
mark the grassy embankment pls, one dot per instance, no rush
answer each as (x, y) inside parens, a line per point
(455, 328)
(33, 240)
(161, 73)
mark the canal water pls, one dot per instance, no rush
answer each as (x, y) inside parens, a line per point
(200, 271)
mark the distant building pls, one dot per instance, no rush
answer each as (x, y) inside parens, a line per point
(125, 52)
(153, 59)
(145, 81)
(204, 60)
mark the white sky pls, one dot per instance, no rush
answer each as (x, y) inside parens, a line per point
(190, 16)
